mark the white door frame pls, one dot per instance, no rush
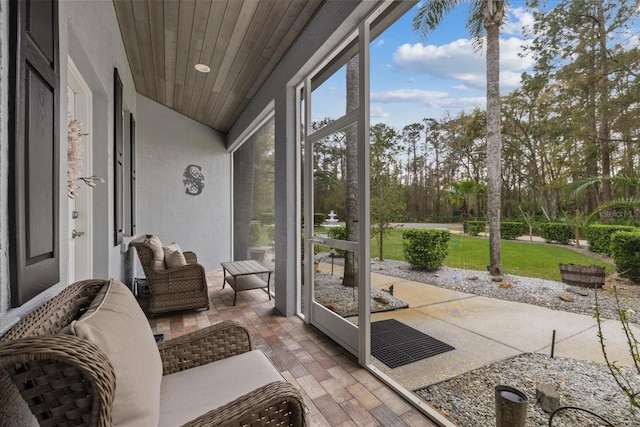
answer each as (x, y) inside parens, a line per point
(354, 338)
(82, 263)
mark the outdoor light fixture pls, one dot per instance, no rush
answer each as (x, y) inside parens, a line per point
(202, 68)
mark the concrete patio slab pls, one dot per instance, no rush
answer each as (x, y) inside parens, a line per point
(586, 345)
(471, 351)
(486, 330)
(380, 281)
(525, 327)
(419, 294)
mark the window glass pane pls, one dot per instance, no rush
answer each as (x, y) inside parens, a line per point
(330, 96)
(253, 197)
(335, 176)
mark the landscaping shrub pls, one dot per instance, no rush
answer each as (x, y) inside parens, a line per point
(625, 250)
(511, 230)
(599, 236)
(559, 232)
(339, 233)
(267, 218)
(476, 227)
(318, 219)
(254, 233)
(426, 248)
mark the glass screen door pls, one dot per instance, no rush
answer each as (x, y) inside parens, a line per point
(335, 270)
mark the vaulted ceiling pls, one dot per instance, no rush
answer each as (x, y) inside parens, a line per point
(241, 41)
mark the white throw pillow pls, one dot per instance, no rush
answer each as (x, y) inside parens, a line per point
(158, 253)
(173, 256)
(118, 327)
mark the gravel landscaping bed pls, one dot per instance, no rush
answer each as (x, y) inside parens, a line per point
(343, 300)
(468, 400)
(544, 293)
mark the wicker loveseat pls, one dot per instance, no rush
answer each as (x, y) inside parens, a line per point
(88, 357)
(172, 286)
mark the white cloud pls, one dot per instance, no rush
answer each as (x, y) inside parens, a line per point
(459, 61)
(376, 111)
(411, 80)
(425, 100)
(464, 103)
(518, 21)
(407, 95)
(380, 43)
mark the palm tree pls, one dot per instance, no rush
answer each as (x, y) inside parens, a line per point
(486, 17)
(461, 193)
(631, 203)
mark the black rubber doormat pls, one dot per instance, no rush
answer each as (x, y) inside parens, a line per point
(396, 344)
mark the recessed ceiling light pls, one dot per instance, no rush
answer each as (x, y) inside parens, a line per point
(202, 68)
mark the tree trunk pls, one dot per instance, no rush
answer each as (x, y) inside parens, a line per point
(493, 13)
(591, 157)
(380, 240)
(351, 141)
(603, 88)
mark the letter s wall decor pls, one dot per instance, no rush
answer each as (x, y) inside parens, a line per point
(193, 180)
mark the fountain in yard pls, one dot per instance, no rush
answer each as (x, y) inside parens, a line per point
(332, 221)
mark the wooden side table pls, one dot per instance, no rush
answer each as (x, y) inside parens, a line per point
(242, 276)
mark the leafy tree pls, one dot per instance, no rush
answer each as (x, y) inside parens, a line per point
(386, 195)
(411, 135)
(583, 47)
(329, 170)
(433, 138)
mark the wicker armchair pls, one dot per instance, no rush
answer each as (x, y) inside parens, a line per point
(172, 289)
(67, 380)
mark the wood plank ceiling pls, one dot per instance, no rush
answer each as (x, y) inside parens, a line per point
(240, 40)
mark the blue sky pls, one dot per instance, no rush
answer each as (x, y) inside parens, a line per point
(412, 79)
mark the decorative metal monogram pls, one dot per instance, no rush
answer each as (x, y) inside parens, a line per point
(193, 180)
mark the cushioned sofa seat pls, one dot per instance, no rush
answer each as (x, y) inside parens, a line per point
(88, 357)
(188, 394)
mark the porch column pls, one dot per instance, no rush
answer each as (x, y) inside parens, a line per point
(285, 202)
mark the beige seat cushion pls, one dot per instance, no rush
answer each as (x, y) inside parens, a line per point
(188, 394)
(158, 252)
(116, 324)
(173, 256)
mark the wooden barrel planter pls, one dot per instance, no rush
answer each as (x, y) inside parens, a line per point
(586, 276)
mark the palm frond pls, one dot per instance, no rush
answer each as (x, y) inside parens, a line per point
(475, 24)
(583, 184)
(631, 204)
(430, 15)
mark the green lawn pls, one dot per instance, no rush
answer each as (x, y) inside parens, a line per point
(519, 258)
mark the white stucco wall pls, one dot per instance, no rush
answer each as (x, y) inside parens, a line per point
(90, 35)
(167, 142)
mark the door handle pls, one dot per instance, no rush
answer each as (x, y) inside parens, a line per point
(317, 240)
(75, 234)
